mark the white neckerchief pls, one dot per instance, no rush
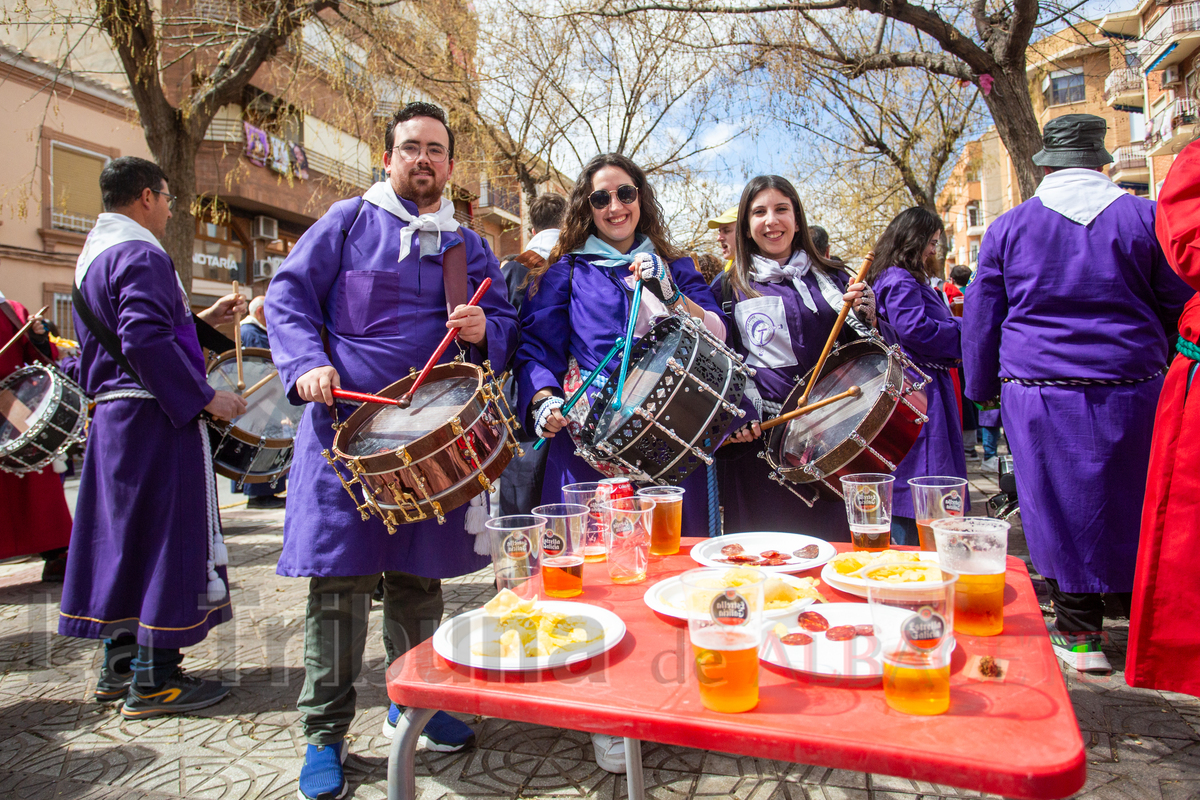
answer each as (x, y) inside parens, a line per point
(1078, 194)
(382, 195)
(543, 242)
(111, 230)
(764, 270)
(2, 297)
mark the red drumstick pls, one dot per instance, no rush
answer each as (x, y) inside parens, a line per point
(406, 399)
(364, 398)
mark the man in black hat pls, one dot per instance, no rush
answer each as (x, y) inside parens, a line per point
(1068, 321)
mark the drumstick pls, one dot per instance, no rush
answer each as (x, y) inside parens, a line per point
(853, 391)
(237, 343)
(363, 398)
(833, 334)
(566, 409)
(260, 384)
(633, 312)
(25, 327)
(406, 399)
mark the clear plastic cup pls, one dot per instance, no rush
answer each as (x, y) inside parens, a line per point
(913, 622)
(594, 547)
(516, 553)
(667, 524)
(977, 549)
(628, 538)
(725, 628)
(562, 548)
(936, 497)
(869, 510)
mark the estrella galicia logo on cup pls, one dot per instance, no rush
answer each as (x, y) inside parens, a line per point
(552, 543)
(517, 545)
(925, 629)
(729, 608)
(621, 528)
(866, 499)
(952, 503)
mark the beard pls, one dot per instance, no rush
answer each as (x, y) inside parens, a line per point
(424, 191)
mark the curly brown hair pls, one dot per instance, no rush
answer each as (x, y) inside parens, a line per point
(578, 223)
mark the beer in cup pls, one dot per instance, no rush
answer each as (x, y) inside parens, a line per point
(936, 497)
(667, 522)
(562, 548)
(869, 510)
(589, 494)
(725, 628)
(977, 549)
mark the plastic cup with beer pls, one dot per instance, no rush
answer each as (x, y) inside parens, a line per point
(725, 628)
(913, 621)
(587, 494)
(628, 538)
(667, 522)
(936, 497)
(562, 548)
(977, 549)
(869, 510)
(516, 553)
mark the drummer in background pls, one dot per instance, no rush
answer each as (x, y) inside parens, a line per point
(35, 518)
(146, 570)
(369, 275)
(784, 296)
(916, 316)
(577, 306)
(254, 334)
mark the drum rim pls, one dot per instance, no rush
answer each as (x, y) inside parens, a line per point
(875, 417)
(226, 427)
(61, 383)
(501, 450)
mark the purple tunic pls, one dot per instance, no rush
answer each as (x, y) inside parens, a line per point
(1057, 300)
(139, 542)
(751, 500)
(581, 315)
(914, 315)
(381, 317)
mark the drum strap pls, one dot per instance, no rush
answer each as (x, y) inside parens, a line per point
(454, 276)
(11, 314)
(108, 340)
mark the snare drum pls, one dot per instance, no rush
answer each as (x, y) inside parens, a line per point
(681, 398)
(257, 446)
(869, 433)
(42, 414)
(424, 461)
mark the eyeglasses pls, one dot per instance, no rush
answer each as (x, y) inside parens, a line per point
(412, 151)
(601, 198)
(170, 198)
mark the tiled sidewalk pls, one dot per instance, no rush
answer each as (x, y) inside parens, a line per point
(56, 743)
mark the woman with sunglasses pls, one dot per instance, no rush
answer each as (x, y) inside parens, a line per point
(915, 316)
(577, 306)
(783, 298)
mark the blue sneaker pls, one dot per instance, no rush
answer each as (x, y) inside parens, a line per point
(443, 733)
(322, 777)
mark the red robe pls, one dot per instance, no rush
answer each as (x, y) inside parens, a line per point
(35, 517)
(1164, 640)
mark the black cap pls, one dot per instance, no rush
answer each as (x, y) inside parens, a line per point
(1074, 140)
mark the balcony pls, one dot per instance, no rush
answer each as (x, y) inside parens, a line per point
(1129, 165)
(1172, 37)
(1123, 88)
(498, 201)
(1172, 128)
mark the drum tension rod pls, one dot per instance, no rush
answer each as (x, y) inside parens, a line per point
(646, 415)
(678, 369)
(784, 482)
(857, 438)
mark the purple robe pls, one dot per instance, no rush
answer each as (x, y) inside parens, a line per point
(139, 545)
(581, 315)
(751, 500)
(381, 318)
(914, 315)
(1056, 300)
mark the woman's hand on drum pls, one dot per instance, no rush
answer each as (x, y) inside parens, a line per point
(862, 299)
(225, 310)
(746, 433)
(317, 385)
(548, 419)
(656, 276)
(226, 405)
(471, 322)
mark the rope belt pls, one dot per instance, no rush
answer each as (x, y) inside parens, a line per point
(1188, 349)
(937, 367)
(123, 394)
(1085, 381)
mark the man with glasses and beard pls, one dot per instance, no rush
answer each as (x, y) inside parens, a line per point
(368, 278)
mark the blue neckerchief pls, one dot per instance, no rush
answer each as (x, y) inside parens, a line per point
(609, 256)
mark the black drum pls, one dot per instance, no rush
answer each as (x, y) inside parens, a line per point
(681, 399)
(42, 414)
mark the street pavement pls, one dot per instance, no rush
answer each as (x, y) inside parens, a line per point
(55, 742)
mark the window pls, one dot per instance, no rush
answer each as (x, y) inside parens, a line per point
(974, 254)
(1064, 86)
(75, 187)
(1137, 126)
(218, 254)
(974, 215)
(57, 297)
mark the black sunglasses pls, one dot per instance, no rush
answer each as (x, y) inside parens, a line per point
(601, 198)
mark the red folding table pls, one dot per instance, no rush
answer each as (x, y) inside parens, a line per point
(1017, 737)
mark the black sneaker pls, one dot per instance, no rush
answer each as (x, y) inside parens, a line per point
(112, 685)
(266, 501)
(179, 693)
